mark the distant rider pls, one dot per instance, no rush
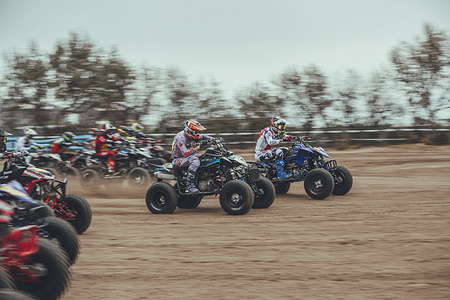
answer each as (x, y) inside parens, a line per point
(101, 143)
(63, 143)
(270, 137)
(26, 142)
(3, 151)
(93, 133)
(3, 136)
(184, 149)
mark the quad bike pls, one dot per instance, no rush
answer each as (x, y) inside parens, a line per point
(37, 266)
(153, 146)
(83, 157)
(303, 162)
(133, 164)
(28, 211)
(54, 163)
(239, 186)
(42, 185)
(8, 290)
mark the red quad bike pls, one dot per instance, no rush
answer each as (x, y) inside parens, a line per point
(28, 211)
(37, 266)
(8, 290)
(41, 185)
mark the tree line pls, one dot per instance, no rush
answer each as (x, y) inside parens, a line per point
(78, 84)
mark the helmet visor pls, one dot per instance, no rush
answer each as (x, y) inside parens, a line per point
(281, 127)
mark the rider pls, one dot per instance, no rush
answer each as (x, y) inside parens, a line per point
(270, 137)
(101, 143)
(93, 132)
(3, 136)
(26, 142)
(3, 154)
(183, 149)
(63, 143)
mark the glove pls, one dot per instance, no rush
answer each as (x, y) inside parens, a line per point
(287, 138)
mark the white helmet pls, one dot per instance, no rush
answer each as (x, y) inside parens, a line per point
(29, 132)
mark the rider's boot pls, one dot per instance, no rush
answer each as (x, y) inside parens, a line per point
(280, 170)
(190, 187)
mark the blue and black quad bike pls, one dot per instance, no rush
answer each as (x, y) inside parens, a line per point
(240, 187)
(303, 162)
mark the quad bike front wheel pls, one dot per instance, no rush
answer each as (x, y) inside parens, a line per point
(69, 172)
(282, 188)
(47, 272)
(63, 234)
(90, 178)
(319, 184)
(264, 193)
(343, 180)
(138, 177)
(76, 210)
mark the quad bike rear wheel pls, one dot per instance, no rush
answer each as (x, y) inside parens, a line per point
(236, 197)
(161, 198)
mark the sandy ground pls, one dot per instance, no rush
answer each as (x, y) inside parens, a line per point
(387, 239)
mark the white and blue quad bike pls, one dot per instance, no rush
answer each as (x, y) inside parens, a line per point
(239, 186)
(303, 162)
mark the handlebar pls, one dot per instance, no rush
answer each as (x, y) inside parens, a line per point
(218, 142)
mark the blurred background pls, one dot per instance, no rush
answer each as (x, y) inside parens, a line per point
(343, 72)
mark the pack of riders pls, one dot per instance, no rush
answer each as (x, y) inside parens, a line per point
(185, 146)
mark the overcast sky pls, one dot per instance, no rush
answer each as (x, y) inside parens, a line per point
(235, 41)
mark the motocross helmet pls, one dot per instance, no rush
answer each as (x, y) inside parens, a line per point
(136, 127)
(3, 136)
(124, 130)
(278, 125)
(193, 128)
(29, 133)
(108, 128)
(68, 136)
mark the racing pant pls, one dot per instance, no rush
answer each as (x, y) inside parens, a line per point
(193, 162)
(111, 155)
(274, 153)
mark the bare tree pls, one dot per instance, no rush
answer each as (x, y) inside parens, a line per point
(423, 68)
(26, 83)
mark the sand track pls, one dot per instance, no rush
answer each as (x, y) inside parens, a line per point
(387, 239)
